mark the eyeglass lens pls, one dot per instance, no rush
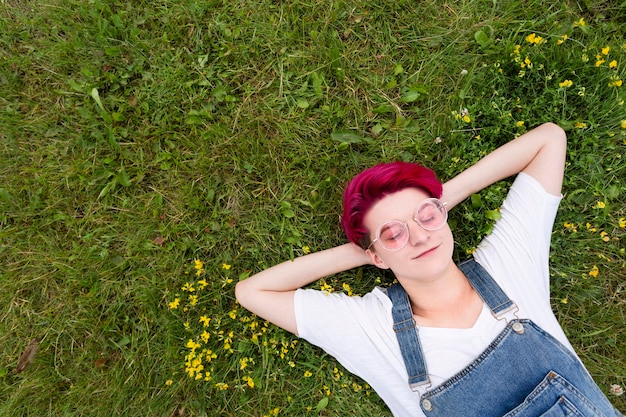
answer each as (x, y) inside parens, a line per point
(430, 215)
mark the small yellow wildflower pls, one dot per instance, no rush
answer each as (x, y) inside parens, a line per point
(600, 62)
(622, 222)
(605, 50)
(233, 314)
(174, 304)
(226, 266)
(580, 23)
(202, 284)
(169, 382)
(205, 336)
(347, 288)
(307, 374)
(580, 125)
(615, 83)
(516, 49)
(248, 381)
(623, 124)
(193, 300)
(566, 84)
(192, 345)
(564, 300)
(600, 205)
(605, 236)
(520, 123)
(205, 320)
(221, 386)
(562, 39)
(591, 228)
(306, 250)
(197, 264)
(533, 38)
(466, 118)
(188, 287)
(613, 64)
(594, 271)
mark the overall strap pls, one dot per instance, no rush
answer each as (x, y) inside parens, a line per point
(487, 288)
(406, 332)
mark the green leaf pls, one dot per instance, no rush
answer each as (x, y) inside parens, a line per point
(348, 137)
(302, 103)
(321, 404)
(482, 39)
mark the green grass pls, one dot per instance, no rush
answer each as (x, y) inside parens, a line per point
(138, 136)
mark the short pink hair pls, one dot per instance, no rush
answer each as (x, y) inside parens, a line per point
(376, 182)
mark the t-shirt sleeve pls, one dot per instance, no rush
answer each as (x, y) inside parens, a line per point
(519, 245)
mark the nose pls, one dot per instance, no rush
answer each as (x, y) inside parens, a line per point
(417, 234)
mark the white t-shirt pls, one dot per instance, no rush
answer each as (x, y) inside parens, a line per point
(358, 332)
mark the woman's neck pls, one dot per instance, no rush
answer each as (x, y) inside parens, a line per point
(447, 301)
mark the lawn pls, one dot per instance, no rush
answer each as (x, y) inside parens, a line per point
(154, 153)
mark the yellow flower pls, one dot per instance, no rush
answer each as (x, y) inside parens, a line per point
(605, 236)
(233, 314)
(347, 288)
(226, 266)
(202, 284)
(600, 62)
(622, 222)
(248, 381)
(306, 250)
(600, 205)
(623, 124)
(516, 49)
(520, 123)
(605, 50)
(193, 299)
(221, 386)
(613, 64)
(580, 125)
(205, 320)
(615, 83)
(169, 382)
(307, 374)
(580, 23)
(174, 304)
(564, 300)
(566, 84)
(594, 271)
(192, 345)
(197, 264)
(467, 119)
(563, 39)
(532, 38)
(188, 287)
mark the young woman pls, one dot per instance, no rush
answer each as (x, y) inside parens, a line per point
(476, 339)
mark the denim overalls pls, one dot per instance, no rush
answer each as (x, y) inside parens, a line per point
(524, 372)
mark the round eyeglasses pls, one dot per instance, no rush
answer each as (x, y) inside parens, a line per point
(430, 214)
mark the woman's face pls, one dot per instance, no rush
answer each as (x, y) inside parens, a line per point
(427, 253)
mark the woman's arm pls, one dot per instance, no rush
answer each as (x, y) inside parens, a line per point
(540, 153)
(269, 294)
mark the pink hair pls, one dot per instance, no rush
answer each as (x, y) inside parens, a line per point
(374, 183)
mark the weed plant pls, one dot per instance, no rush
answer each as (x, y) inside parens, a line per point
(155, 153)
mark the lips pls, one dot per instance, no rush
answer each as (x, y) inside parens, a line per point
(427, 252)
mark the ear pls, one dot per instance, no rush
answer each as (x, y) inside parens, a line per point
(376, 260)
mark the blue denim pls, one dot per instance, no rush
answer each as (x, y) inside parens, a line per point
(524, 372)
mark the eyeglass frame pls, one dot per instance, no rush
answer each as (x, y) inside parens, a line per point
(406, 226)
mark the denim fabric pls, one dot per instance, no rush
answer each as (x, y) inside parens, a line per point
(524, 372)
